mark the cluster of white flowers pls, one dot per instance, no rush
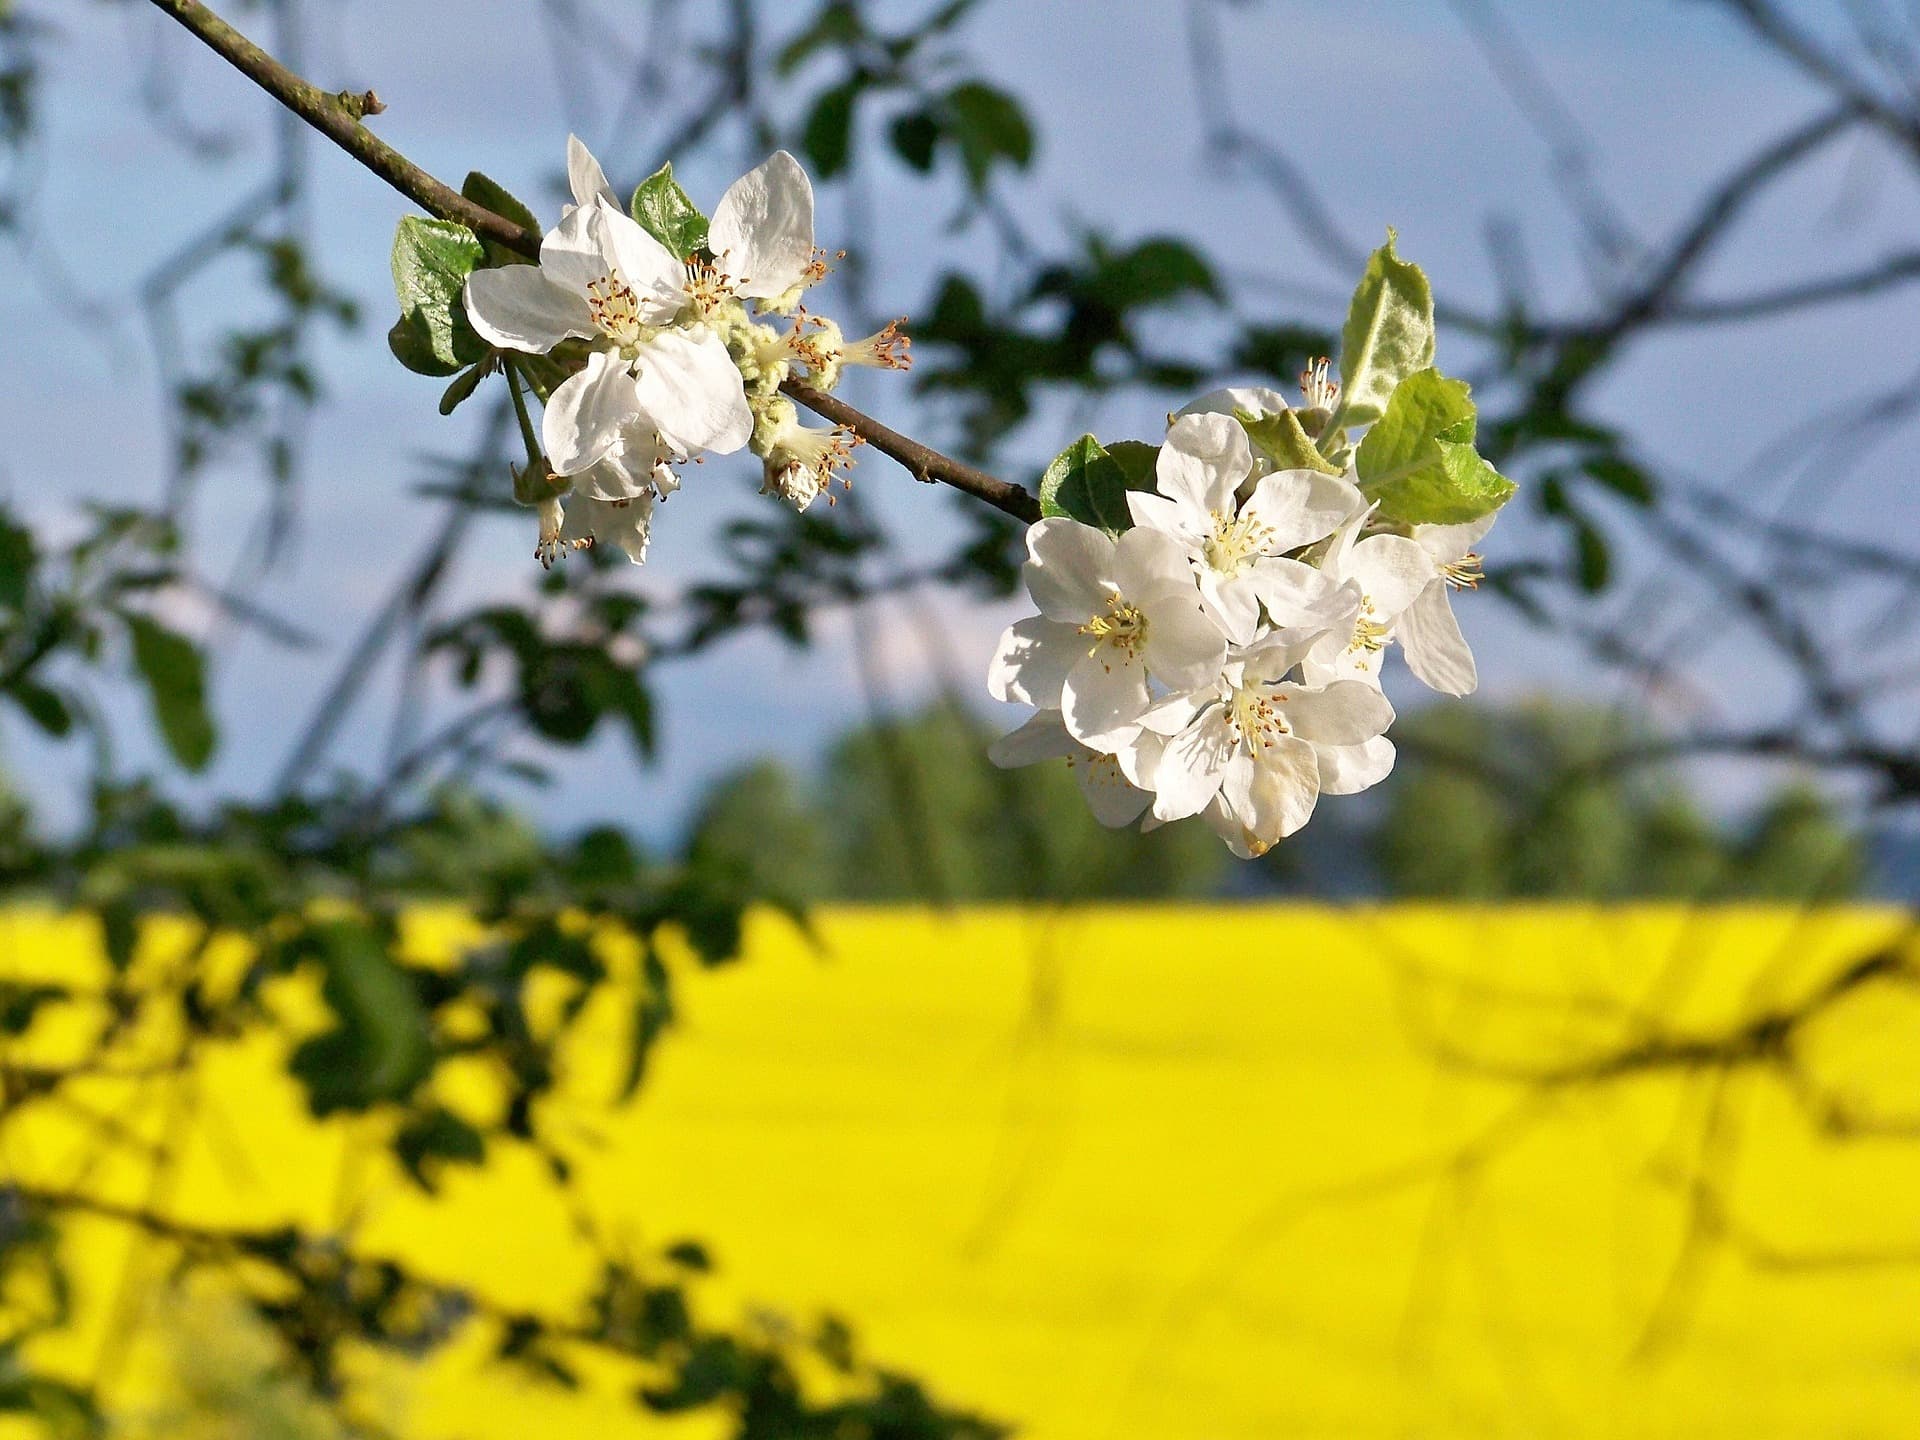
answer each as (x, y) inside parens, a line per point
(1221, 657)
(664, 361)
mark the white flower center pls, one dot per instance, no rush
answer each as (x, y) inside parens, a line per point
(1235, 541)
(1464, 573)
(616, 310)
(1254, 717)
(1123, 626)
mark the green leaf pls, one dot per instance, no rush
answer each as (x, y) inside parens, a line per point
(463, 385)
(379, 1047)
(914, 136)
(828, 134)
(43, 706)
(1623, 477)
(1593, 561)
(1280, 439)
(1085, 483)
(17, 559)
(495, 197)
(667, 213)
(1418, 460)
(431, 1141)
(988, 125)
(431, 262)
(176, 684)
(1388, 335)
(1138, 461)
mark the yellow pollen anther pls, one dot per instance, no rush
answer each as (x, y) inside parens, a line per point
(1123, 625)
(1236, 541)
(1464, 573)
(707, 285)
(615, 309)
(1368, 635)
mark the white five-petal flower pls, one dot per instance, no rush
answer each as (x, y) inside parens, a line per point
(1238, 548)
(1247, 751)
(1112, 614)
(603, 279)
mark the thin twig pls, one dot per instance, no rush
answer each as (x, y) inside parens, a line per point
(339, 119)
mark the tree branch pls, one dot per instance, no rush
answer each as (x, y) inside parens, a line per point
(921, 461)
(338, 117)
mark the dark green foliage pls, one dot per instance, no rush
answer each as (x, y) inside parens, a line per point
(1530, 801)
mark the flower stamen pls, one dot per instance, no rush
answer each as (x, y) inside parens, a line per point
(1318, 389)
(1464, 573)
(616, 310)
(1123, 626)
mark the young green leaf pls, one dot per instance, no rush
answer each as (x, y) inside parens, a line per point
(1085, 483)
(667, 213)
(1280, 440)
(464, 384)
(495, 197)
(176, 684)
(1388, 335)
(431, 262)
(1418, 460)
(1138, 461)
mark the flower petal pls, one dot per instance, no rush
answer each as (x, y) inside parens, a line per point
(1349, 769)
(1031, 662)
(517, 307)
(1296, 596)
(1254, 399)
(656, 275)
(1043, 737)
(584, 175)
(1184, 648)
(1233, 604)
(1192, 765)
(1156, 512)
(1221, 819)
(1104, 695)
(573, 254)
(1069, 570)
(1275, 795)
(1448, 543)
(762, 229)
(1204, 460)
(1347, 712)
(1139, 757)
(1436, 651)
(586, 414)
(690, 389)
(1299, 507)
(1112, 798)
(1150, 562)
(1391, 571)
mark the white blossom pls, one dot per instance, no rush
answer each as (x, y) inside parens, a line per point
(1382, 575)
(1247, 751)
(603, 279)
(1113, 616)
(1238, 548)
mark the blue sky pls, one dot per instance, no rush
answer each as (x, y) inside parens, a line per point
(1388, 101)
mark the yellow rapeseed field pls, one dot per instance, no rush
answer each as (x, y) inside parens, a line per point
(1133, 1173)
